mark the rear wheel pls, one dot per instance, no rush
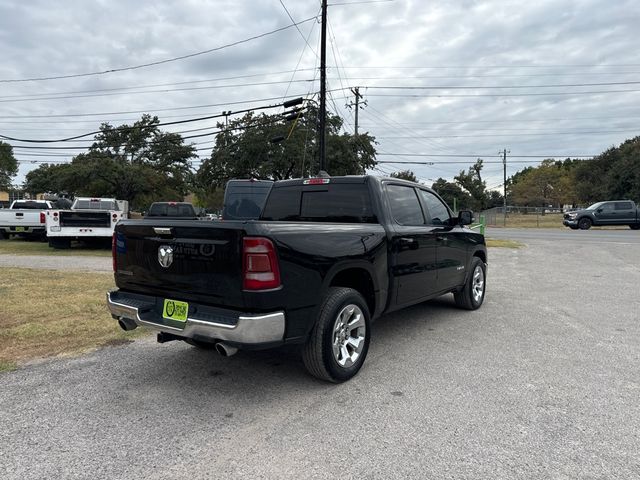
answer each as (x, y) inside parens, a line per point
(471, 296)
(4, 235)
(584, 223)
(339, 341)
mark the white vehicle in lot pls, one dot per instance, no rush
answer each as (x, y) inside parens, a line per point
(89, 219)
(24, 218)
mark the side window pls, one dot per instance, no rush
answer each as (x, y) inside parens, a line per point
(438, 212)
(607, 207)
(405, 206)
(623, 206)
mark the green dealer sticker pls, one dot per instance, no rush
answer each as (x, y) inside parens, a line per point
(175, 310)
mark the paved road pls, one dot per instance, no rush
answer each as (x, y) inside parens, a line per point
(542, 382)
(623, 236)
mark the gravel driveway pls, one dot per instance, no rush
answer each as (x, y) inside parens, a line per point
(542, 382)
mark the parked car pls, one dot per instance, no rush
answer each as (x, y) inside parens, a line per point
(89, 219)
(172, 211)
(326, 257)
(618, 212)
(24, 218)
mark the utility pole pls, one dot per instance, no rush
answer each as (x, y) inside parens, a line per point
(504, 184)
(356, 92)
(323, 89)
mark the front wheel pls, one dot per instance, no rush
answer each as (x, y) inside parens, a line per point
(635, 226)
(471, 296)
(339, 341)
(4, 235)
(584, 223)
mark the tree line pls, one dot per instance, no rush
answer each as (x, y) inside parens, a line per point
(141, 163)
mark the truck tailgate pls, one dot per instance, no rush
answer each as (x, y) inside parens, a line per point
(197, 261)
(74, 218)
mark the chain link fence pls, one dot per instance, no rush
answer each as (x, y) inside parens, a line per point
(515, 216)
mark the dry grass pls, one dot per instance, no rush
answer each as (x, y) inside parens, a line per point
(519, 220)
(19, 246)
(492, 242)
(48, 313)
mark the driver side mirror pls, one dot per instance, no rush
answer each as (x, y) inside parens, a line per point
(465, 217)
(599, 210)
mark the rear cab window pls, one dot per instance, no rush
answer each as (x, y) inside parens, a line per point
(331, 202)
(245, 199)
(95, 204)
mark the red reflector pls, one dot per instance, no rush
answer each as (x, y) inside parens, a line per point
(43, 219)
(260, 270)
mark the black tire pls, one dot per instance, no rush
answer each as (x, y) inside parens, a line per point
(4, 235)
(468, 296)
(573, 228)
(60, 243)
(318, 353)
(584, 223)
(635, 226)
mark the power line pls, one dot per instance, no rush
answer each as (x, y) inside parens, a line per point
(186, 89)
(480, 155)
(595, 92)
(95, 132)
(151, 109)
(160, 62)
(467, 87)
(306, 40)
(154, 85)
(601, 132)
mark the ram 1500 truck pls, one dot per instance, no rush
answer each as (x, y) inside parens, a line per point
(326, 257)
(24, 217)
(618, 212)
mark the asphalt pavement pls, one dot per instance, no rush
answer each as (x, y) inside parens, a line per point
(541, 382)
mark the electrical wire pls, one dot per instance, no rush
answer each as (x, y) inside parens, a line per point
(160, 62)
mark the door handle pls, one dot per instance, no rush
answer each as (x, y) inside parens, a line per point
(441, 238)
(407, 241)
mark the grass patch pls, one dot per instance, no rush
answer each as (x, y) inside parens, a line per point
(20, 246)
(493, 242)
(45, 313)
(531, 220)
(7, 366)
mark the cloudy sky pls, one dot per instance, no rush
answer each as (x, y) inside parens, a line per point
(441, 79)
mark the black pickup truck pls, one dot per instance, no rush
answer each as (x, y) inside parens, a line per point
(618, 212)
(326, 257)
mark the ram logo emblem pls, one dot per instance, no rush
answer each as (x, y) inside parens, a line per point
(165, 256)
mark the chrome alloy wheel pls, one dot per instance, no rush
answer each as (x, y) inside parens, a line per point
(349, 332)
(477, 285)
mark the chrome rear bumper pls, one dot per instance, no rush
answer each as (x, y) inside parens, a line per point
(236, 327)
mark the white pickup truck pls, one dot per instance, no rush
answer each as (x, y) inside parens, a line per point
(89, 219)
(24, 218)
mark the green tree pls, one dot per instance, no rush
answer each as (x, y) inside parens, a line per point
(452, 194)
(138, 163)
(550, 183)
(471, 181)
(405, 175)
(8, 166)
(244, 149)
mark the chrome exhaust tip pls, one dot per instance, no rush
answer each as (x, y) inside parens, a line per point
(127, 324)
(225, 350)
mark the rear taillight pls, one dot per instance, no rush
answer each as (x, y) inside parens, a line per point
(260, 269)
(55, 216)
(113, 252)
(43, 218)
